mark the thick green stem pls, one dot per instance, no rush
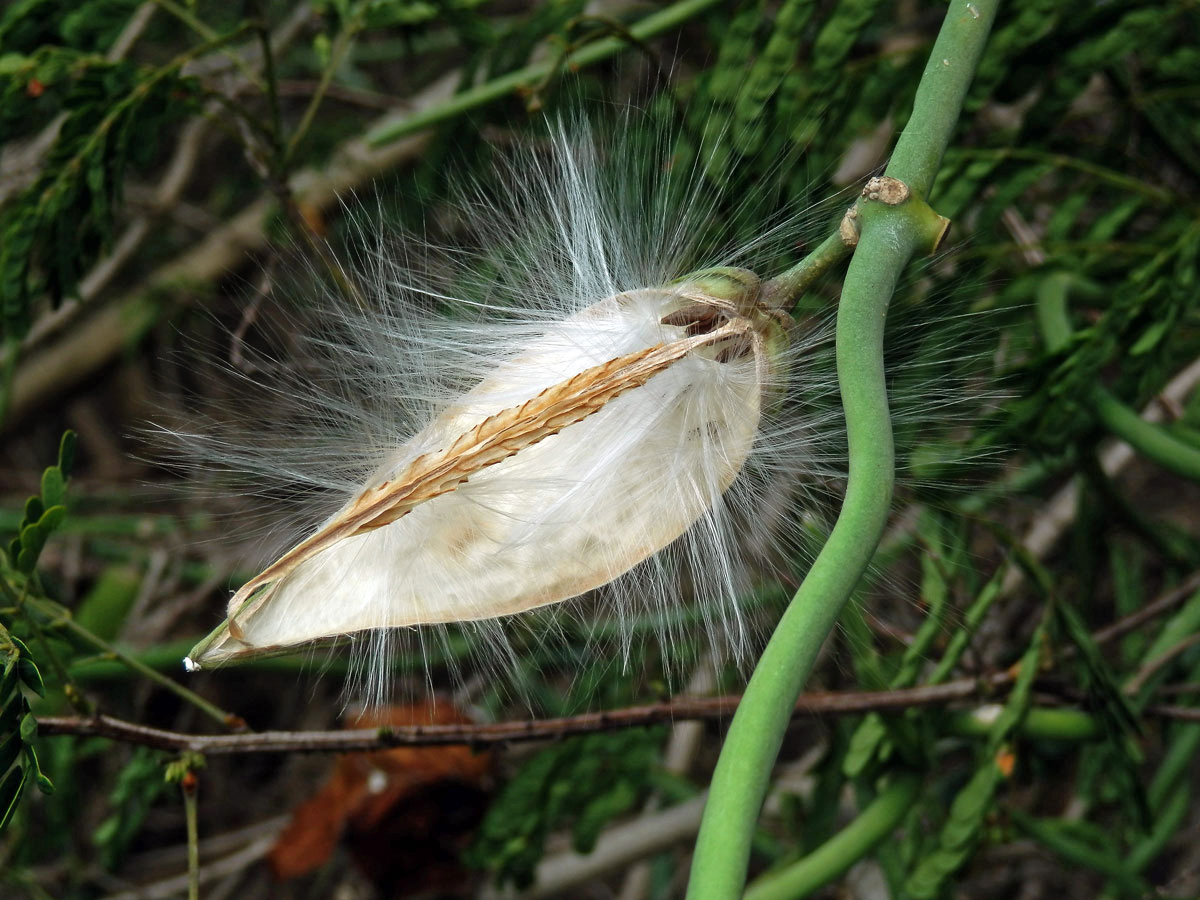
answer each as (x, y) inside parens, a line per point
(664, 20)
(744, 768)
(891, 229)
(948, 73)
(1039, 723)
(844, 849)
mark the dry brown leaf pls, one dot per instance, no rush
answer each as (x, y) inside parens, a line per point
(404, 813)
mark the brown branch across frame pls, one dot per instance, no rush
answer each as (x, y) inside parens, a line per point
(696, 708)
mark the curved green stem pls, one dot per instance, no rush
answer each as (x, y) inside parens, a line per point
(844, 849)
(889, 235)
(656, 23)
(744, 768)
(1152, 441)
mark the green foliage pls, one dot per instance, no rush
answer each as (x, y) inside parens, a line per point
(582, 783)
(43, 513)
(138, 785)
(112, 115)
(1076, 157)
(26, 25)
(18, 727)
(964, 824)
(21, 676)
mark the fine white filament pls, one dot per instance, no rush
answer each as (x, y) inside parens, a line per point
(599, 419)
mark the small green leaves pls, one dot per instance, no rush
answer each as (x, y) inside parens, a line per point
(178, 769)
(29, 675)
(10, 735)
(62, 221)
(137, 787)
(18, 726)
(10, 793)
(54, 486)
(44, 513)
(66, 453)
(34, 509)
(586, 780)
(964, 825)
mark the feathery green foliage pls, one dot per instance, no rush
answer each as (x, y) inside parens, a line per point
(156, 154)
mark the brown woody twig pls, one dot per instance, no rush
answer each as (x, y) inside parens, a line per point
(709, 708)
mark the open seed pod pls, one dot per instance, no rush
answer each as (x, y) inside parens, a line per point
(588, 450)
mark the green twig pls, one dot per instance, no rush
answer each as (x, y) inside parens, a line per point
(264, 42)
(1057, 837)
(188, 785)
(1124, 183)
(971, 622)
(337, 53)
(844, 849)
(60, 618)
(664, 20)
(891, 229)
(786, 288)
(8, 369)
(212, 37)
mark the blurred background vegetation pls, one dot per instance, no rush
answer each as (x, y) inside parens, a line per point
(163, 165)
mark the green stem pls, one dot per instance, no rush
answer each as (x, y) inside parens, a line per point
(1169, 794)
(971, 622)
(193, 837)
(57, 617)
(1124, 183)
(1057, 837)
(940, 95)
(1167, 821)
(337, 53)
(1039, 723)
(264, 42)
(8, 369)
(844, 849)
(786, 288)
(1152, 441)
(664, 20)
(744, 768)
(211, 36)
(889, 235)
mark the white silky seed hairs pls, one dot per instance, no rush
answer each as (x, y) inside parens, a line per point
(593, 401)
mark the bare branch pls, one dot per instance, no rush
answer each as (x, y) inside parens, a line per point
(704, 708)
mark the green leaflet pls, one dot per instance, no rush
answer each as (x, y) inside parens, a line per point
(582, 783)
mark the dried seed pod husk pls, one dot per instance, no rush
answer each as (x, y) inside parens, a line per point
(590, 449)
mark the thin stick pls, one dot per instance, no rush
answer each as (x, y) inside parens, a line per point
(506, 85)
(189, 786)
(697, 708)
